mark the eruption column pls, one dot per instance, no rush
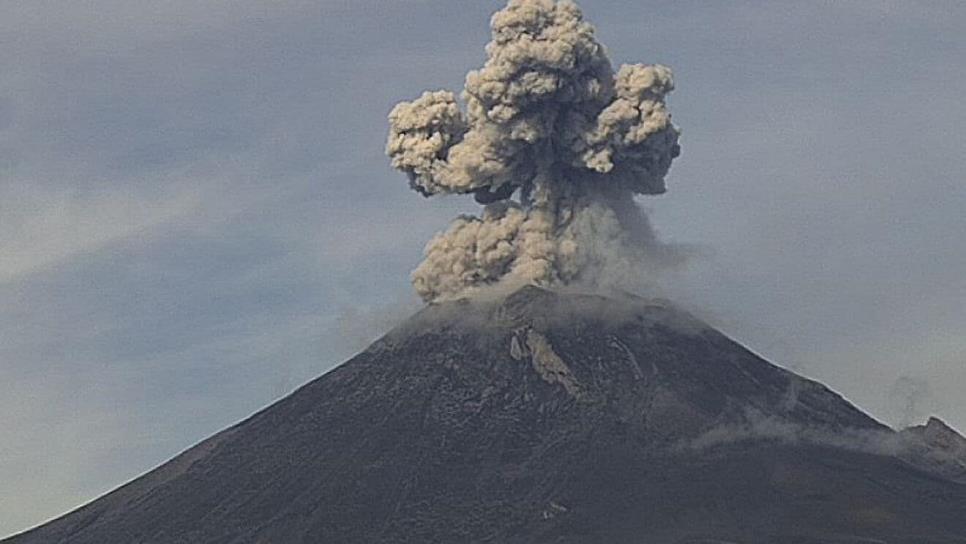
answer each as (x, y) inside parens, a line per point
(554, 144)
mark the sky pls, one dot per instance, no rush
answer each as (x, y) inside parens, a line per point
(196, 214)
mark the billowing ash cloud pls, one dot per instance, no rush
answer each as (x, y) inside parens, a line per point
(554, 144)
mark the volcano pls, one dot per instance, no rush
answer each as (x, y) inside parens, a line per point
(539, 417)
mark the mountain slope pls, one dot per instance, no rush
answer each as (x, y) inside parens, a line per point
(542, 417)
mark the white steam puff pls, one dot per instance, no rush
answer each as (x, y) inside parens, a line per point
(554, 144)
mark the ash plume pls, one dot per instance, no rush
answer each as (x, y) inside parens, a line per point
(554, 144)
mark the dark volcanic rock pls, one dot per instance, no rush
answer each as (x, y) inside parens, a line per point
(936, 447)
(540, 418)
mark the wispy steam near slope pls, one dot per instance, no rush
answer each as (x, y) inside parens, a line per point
(554, 144)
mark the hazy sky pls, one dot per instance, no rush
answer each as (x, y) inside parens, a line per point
(196, 215)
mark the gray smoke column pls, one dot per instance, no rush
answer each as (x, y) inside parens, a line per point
(554, 144)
